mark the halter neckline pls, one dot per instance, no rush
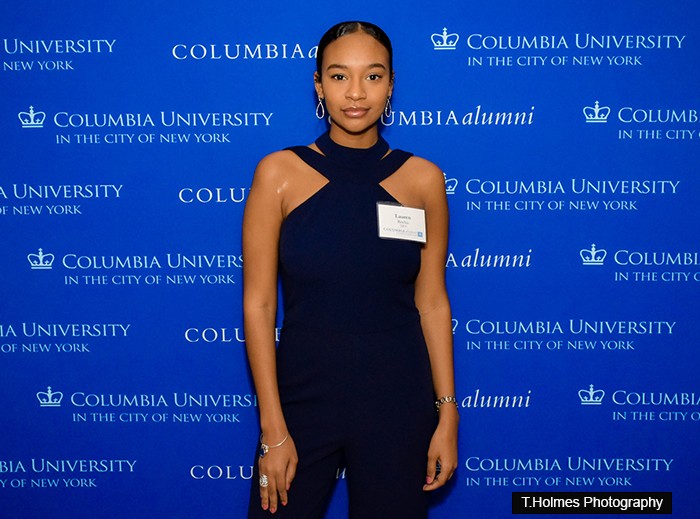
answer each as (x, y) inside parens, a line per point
(344, 154)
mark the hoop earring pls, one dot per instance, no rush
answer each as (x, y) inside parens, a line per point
(387, 113)
(320, 109)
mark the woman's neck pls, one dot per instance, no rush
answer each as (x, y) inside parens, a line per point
(365, 139)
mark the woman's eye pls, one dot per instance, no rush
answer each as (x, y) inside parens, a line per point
(338, 77)
(374, 77)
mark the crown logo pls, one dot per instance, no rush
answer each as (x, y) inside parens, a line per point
(596, 113)
(591, 396)
(49, 398)
(32, 119)
(450, 184)
(593, 256)
(444, 41)
(40, 261)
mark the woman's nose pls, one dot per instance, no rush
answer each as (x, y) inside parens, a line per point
(355, 90)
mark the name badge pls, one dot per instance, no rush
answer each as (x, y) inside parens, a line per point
(401, 223)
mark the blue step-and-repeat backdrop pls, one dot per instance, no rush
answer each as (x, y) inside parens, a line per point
(569, 134)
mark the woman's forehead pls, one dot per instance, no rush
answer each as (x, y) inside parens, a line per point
(356, 49)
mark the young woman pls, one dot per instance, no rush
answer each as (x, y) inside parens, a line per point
(365, 354)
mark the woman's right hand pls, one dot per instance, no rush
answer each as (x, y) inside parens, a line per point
(279, 465)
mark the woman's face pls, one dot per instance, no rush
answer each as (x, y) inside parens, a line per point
(355, 81)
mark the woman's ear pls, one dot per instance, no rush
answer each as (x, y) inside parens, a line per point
(391, 84)
(318, 86)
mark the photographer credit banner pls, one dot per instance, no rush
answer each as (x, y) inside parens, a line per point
(569, 138)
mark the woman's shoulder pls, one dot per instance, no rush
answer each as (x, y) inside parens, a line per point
(423, 171)
(276, 166)
(276, 160)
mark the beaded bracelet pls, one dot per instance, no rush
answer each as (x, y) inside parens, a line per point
(265, 448)
(449, 399)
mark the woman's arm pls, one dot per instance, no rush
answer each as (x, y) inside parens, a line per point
(261, 229)
(436, 321)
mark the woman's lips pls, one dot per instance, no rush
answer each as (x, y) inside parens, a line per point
(355, 111)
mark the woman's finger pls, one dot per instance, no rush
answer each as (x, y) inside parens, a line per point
(264, 485)
(282, 490)
(291, 472)
(272, 493)
(431, 472)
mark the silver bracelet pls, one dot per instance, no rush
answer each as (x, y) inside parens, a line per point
(449, 399)
(265, 448)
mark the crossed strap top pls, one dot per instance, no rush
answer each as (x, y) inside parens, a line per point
(336, 273)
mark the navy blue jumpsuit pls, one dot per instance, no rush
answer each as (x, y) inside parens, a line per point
(352, 364)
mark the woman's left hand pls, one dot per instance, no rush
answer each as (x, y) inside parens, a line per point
(442, 450)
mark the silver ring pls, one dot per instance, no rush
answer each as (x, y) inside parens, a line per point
(263, 480)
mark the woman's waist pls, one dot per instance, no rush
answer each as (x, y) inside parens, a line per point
(345, 320)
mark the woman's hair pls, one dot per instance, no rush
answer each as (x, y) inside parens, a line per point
(343, 28)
